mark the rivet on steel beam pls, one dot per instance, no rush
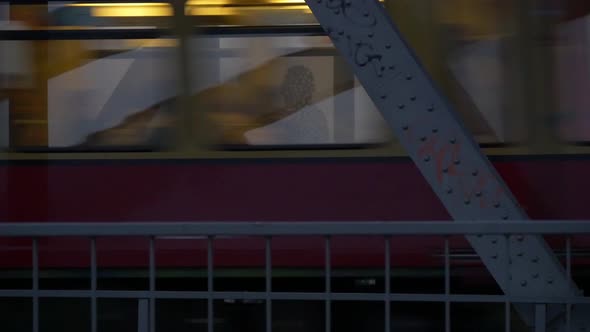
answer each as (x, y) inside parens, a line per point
(427, 158)
(467, 201)
(370, 35)
(494, 241)
(453, 140)
(430, 108)
(401, 106)
(535, 275)
(434, 130)
(519, 238)
(383, 96)
(388, 46)
(392, 67)
(341, 32)
(457, 162)
(523, 283)
(474, 173)
(535, 260)
(449, 190)
(405, 128)
(550, 281)
(423, 139)
(366, 14)
(494, 256)
(445, 170)
(504, 217)
(413, 98)
(520, 254)
(478, 194)
(497, 205)
(409, 78)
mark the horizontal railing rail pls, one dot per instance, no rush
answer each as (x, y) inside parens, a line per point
(271, 230)
(503, 227)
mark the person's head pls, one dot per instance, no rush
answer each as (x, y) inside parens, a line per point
(297, 88)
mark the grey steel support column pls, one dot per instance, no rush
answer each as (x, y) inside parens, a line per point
(442, 148)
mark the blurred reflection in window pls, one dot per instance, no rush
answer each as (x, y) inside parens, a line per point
(84, 94)
(288, 91)
(477, 35)
(572, 53)
(114, 98)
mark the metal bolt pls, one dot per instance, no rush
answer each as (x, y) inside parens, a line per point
(457, 162)
(392, 67)
(383, 96)
(409, 77)
(520, 254)
(413, 98)
(341, 32)
(535, 260)
(370, 35)
(478, 194)
(474, 173)
(449, 190)
(435, 130)
(494, 241)
(401, 106)
(494, 256)
(366, 14)
(388, 46)
(519, 238)
(505, 217)
(430, 108)
(467, 201)
(550, 281)
(423, 139)
(405, 128)
(497, 205)
(427, 158)
(453, 140)
(523, 283)
(535, 275)
(445, 170)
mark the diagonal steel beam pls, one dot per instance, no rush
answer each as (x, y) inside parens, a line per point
(443, 150)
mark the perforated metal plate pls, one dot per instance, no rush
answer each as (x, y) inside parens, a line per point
(441, 147)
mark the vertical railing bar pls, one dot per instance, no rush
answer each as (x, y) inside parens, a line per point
(447, 286)
(387, 284)
(93, 283)
(35, 254)
(568, 265)
(210, 313)
(328, 267)
(507, 304)
(507, 317)
(268, 276)
(152, 281)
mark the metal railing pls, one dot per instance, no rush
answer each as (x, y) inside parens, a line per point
(211, 230)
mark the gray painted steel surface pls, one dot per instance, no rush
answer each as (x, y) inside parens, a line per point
(441, 147)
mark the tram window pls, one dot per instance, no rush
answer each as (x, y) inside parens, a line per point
(572, 72)
(289, 91)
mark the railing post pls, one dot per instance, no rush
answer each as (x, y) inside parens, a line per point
(540, 317)
(142, 315)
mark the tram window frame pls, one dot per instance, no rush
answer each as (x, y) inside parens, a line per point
(389, 149)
